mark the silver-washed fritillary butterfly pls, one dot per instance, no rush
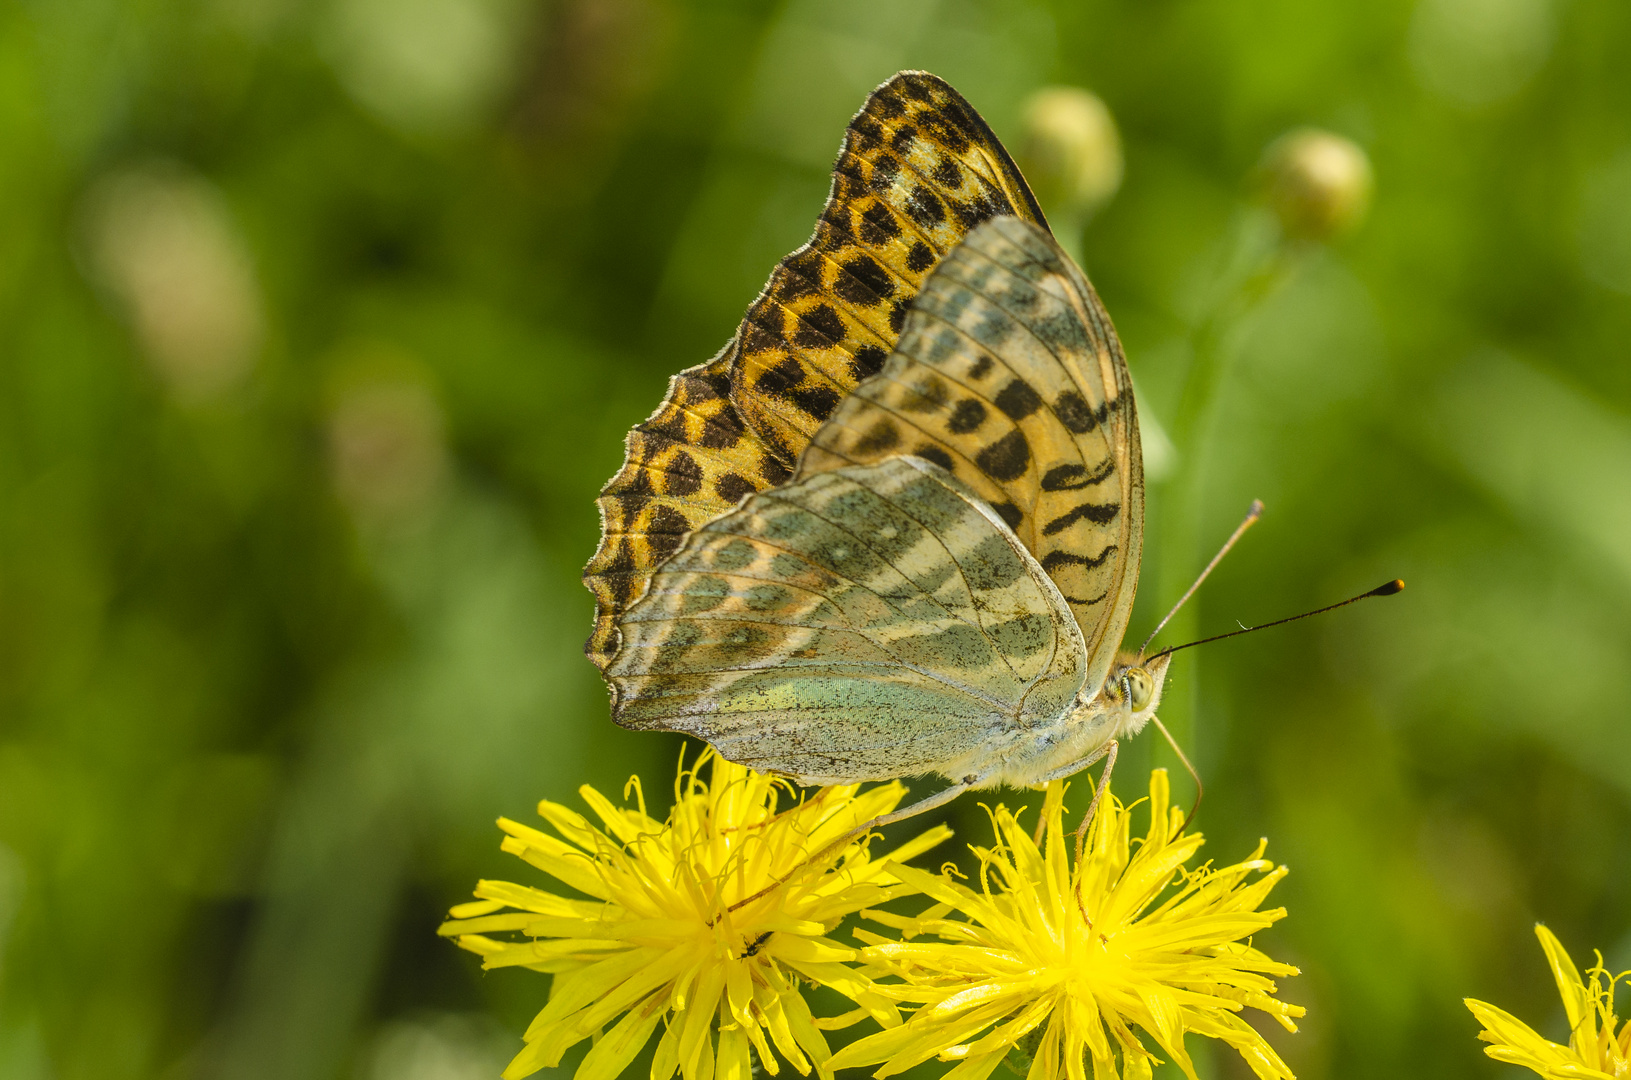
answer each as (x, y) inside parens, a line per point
(944, 585)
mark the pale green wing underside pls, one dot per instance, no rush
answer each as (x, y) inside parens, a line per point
(1009, 374)
(870, 622)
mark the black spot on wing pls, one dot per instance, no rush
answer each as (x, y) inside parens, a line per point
(723, 431)
(1097, 513)
(1076, 414)
(881, 436)
(968, 415)
(732, 486)
(888, 106)
(914, 87)
(925, 207)
(1018, 400)
(1009, 513)
(947, 135)
(634, 498)
(774, 472)
(1006, 458)
(818, 401)
(666, 530)
(798, 276)
(897, 315)
(974, 211)
(920, 258)
(864, 281)
(867, 362)
(878, 225)
(930, 452)
(778, 380)
(818, 327)
(683, 475)
(1074, 477)
(884, 171)
(622, 582)
(710, 384)
(1053, 560)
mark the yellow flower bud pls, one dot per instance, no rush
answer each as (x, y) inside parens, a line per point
(1318, 183)
(1070, 151)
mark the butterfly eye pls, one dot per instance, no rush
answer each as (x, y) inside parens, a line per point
(1140, 688)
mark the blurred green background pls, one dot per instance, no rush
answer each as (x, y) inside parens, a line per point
(321, 322)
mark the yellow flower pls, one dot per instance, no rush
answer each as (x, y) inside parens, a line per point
(662, 940)
(1594, 1050)
(1061, 964)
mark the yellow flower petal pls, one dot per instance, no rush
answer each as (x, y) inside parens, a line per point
(1085, 953)
(671, 935)
(805, 1032)
(473, 909)
(1594, 1052)
(734, 1063)
(607, 1059)
(1576, 1001)
(975, 1067)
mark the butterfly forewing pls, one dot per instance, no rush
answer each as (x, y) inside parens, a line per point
(1010, 376)
(918, 169)
(870, 622)
(689, 462)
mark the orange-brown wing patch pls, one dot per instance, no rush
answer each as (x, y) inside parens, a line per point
(689, 462)
(919, 168)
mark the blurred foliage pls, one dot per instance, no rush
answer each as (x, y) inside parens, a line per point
(321, 322)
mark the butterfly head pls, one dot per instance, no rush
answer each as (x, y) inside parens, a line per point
(1134, 687)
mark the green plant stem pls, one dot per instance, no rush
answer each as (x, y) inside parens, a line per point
(1255, 262)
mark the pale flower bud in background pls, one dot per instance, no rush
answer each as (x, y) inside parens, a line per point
(162, 240)
(1070, 151)
(387, 443)
(1318, 183)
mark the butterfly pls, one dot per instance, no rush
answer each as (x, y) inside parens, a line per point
(918, 169)
(944, 584)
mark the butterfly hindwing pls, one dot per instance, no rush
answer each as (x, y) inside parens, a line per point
(918, 168)
(869, 622)
(686, 464)
(1009, 375)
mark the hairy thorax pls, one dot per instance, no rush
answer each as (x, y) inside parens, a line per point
(1117, 710)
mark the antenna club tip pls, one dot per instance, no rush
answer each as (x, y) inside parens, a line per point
(1394, 586)
(1256, 510)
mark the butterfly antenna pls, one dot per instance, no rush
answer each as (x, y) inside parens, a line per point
(1200, 789)
(1252, 515)
(1388, 589)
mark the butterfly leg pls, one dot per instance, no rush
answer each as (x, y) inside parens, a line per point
(1069, 770)
(1098, 793)
(939, 798)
